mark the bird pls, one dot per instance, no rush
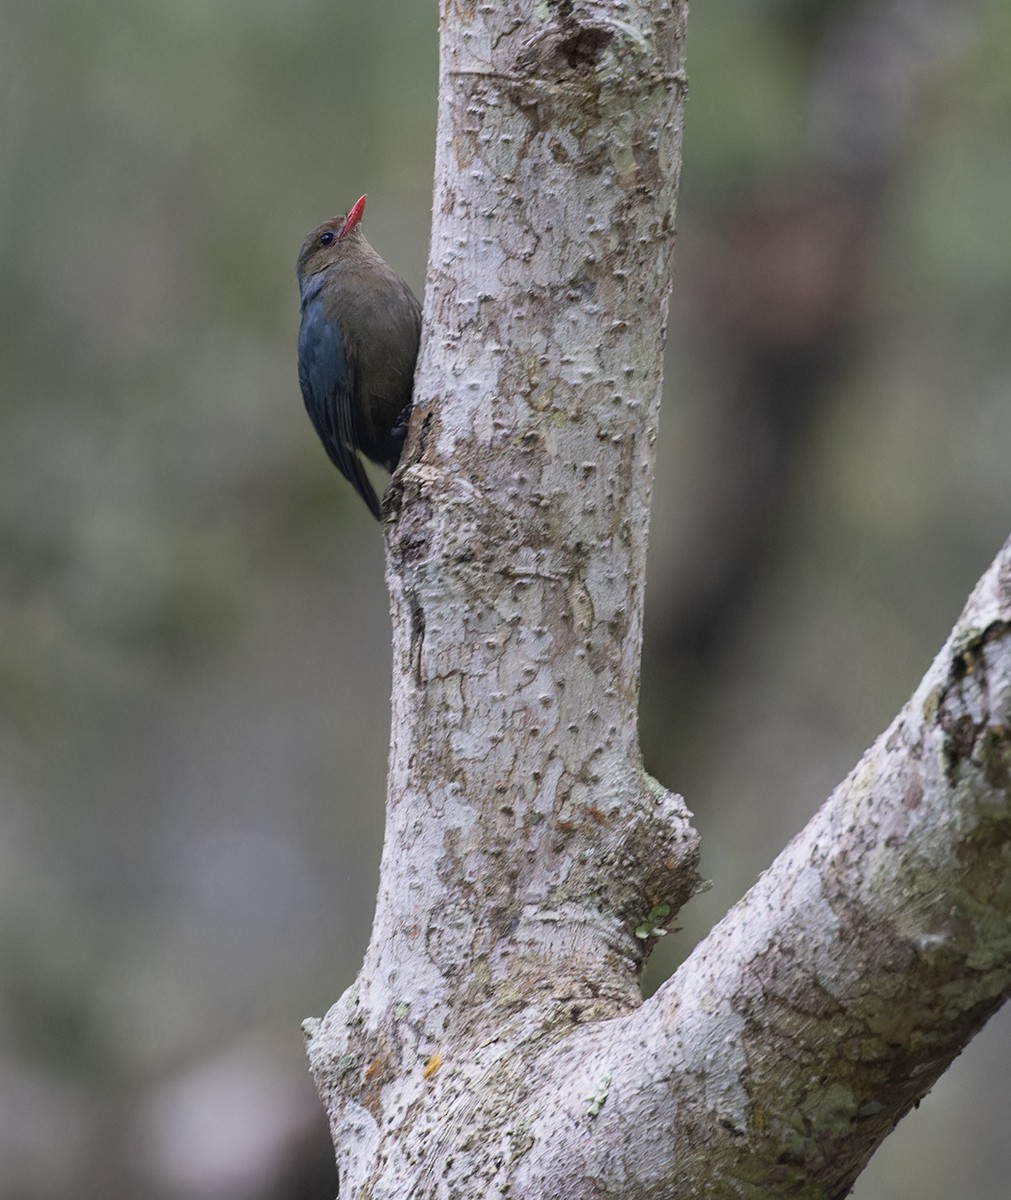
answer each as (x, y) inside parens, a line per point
(357, 348)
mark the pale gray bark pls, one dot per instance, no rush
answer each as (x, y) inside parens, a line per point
(495, 1042)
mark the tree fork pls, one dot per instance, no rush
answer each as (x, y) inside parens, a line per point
(495, 1042)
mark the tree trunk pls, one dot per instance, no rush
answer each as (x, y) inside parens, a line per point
(496, 1042)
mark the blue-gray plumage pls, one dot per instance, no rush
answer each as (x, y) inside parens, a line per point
(357, 347)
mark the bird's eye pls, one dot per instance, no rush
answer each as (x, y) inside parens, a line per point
(328, 238)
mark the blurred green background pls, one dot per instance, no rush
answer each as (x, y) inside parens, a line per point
(194, 639)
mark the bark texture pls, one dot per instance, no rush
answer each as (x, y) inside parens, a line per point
(495, 1042)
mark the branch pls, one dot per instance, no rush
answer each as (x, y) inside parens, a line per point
(830, 999)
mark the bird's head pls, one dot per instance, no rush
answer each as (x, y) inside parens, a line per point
(331, 242)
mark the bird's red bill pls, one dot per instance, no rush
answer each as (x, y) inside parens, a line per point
(352, 219)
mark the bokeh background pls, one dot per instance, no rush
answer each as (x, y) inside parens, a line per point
(194, 638)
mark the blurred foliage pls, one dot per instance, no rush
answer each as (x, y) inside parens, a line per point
(194, 659)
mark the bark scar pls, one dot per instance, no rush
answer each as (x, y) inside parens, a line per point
(417, 636)
(962, 731)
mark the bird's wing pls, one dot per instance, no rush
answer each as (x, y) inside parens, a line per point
(390, 372)
(327, 375)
